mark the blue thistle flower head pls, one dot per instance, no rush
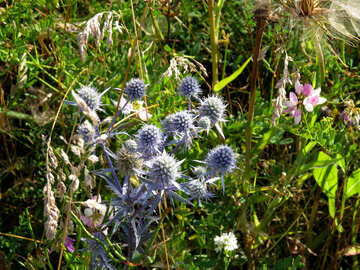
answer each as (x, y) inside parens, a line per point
(182, 122)
(190, 87)
(167, 124)
(198, 190)
(91, 97)
(164, 171)
(214, 108)
(150, 141)
(135, 89)
(221, 159)
(87, 131)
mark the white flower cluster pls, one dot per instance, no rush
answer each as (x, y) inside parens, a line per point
(226, 242)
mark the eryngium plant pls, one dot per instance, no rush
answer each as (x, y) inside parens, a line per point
(222, 160)
(135, 89)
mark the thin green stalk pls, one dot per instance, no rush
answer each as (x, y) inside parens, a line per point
(214, 39)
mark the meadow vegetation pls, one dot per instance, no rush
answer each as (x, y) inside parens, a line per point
(179, 134)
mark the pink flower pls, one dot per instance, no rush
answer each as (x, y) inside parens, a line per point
(292, 107)
(69, 244)
(306, 95)
(94, 212)
(313, 99)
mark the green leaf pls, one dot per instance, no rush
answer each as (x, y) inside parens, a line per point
(18, 115)
(327, 179)
(353, 184)
(224, 82)
(341, 162)
(167, 48)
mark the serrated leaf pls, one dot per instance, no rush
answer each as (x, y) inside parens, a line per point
(327, 179)
(353, 184)
(224, 82)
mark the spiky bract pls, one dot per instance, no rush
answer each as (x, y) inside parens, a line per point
(135, 89)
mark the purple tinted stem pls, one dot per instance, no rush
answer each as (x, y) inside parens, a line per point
(111, 166)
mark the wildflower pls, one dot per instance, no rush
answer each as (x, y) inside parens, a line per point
(324, 20)
(190, 87)
(167, 124)
(181, 124)
(226, 242)
(94, 212)
(221, 160)
(164, 171)
(306, 95)
(69, 244)
(213, 107)
(351, 114)
(135, 89)
(91, 97)
(198, 188)
(150, 141)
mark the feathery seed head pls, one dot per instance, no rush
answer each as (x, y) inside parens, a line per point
(214, 108)
(91, 97)
(135, 89)
(190, 87)
(164, 170)
(221, 159)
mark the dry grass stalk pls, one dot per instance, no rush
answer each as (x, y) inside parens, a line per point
(51, 212)
(94, 28)
(281, 84)
(22, 71)
(188, 64)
